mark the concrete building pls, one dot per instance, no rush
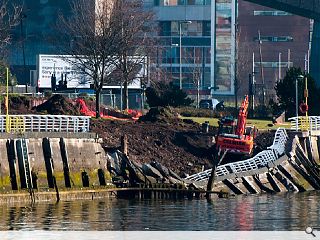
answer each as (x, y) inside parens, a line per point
(196, 52)
(33, 36)
(284, 42)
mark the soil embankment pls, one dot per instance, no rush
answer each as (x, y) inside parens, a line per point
(158, 136)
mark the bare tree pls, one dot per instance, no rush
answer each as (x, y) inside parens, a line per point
(10, 15)
(91, 38)
(243, 64)
(137, 42)
(197, 74)
(105, 41)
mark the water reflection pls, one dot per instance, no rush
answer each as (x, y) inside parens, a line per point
(264, 212)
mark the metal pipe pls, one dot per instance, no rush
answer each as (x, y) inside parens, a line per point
(180, 62)
(297, 113)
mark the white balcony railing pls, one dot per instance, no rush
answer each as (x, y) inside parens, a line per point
(44, 123)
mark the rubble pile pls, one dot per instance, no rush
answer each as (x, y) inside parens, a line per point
(58, 105)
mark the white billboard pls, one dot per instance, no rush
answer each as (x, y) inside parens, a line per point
(47, 65)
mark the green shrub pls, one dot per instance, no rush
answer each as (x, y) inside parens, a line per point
(196, 112)
(167, 95)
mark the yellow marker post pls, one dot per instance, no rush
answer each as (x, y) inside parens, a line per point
(306, 97)
(7, 104)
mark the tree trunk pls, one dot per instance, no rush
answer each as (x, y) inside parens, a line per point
(98, 92)
(125, 95)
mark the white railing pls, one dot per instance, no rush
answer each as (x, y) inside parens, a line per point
(45, 123)
(260, 160)
(279, 142)
(303, 123)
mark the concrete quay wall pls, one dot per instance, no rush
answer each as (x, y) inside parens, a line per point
(43, 164)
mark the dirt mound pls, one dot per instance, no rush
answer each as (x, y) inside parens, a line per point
(265, 139)
(181, 147)
(18, 105)
(160, 142)
(58, 105)
(160, 114)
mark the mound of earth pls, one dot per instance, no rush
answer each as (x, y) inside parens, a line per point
(160, 114)
(58, 105)
(18, 105)
(180, 147)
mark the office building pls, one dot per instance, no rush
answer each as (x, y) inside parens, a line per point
(195, 52)
(283, 43)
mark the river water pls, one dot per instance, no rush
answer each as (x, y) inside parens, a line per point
(292, 211)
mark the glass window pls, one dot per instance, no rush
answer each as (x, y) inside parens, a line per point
(196, 2)
(272, 64)
(223, 45)
(271, 13)
(187, 29)
(206, 28)
(169, 2)
(274, 39)
(165, 28)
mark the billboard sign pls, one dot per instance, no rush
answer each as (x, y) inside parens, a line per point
(64, 70)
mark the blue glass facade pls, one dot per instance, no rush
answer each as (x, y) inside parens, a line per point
(207, 44)
(35, 32)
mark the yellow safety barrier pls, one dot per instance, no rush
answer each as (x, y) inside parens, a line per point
(15, 124)
(303, 121)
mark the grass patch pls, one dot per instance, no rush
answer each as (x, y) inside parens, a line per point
(260, 124)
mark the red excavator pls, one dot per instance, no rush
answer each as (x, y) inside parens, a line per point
(235, 136)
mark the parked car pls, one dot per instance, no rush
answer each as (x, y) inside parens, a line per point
(210, 103)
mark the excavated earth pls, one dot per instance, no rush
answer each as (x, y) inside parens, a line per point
(159, 136)
(176, 144)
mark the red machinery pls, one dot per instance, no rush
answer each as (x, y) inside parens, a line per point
(132, 114)
(235, 136)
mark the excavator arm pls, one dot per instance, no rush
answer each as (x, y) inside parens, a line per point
(242, 117)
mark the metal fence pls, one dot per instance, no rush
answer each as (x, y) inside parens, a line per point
(135, 99)
(303, 123)
(44, 123)
(258, 161)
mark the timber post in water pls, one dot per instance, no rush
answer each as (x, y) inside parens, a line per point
(216, 162)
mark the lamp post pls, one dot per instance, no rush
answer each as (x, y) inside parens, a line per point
(173, 59)
(23, 16)
(297, 103)
(180, 48)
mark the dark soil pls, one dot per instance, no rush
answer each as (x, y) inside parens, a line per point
(58, 105)
(158, 136)
(178, 146)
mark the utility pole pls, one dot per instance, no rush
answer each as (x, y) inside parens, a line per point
(23, 16)
(261, 68)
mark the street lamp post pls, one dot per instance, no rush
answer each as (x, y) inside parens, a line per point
(297, 108)
(297, 113)
(180, 48)
(23, 16)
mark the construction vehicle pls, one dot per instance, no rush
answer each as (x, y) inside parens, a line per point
(234, 136)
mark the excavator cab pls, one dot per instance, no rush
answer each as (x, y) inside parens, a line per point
(233, 135)
(226, 125)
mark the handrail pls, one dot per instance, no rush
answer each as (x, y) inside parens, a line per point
(260, 160)
(44, 123)
(303, 123)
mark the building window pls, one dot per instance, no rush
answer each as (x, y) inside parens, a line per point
(181, 2)
(192, 29)
(274, 39)
(272, 64)
(271, 13)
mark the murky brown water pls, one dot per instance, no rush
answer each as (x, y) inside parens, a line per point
(264, 212)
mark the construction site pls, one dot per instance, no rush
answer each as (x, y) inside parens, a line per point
(58, 153)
